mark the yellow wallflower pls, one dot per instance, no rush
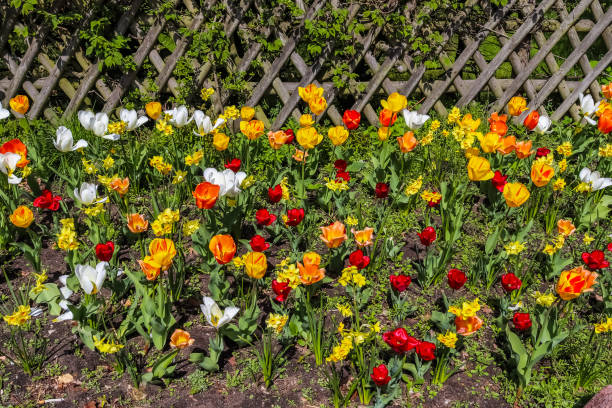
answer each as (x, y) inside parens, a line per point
(20, 317)
(190, 227)
(435, 125)
(429, 196)
(414, 186)
(195, 158)
(351, 221)
(277, 322)
(514, 248)
(345, 310)
(454, 115)
(544, 299)
(604, 327)
(179, 176)
(449, 339)
(89, 167)
(231, 112)
(559, 184)
(106, 347)
(606, 151)
(94, 210)
(565, 149)
(290, 274)
(587, 239)
(206, 93)
(108, 162)
(336, 185)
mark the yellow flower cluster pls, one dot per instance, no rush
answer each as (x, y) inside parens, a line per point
(94, 210)
(583, 188)
(340, 351)
(285, 187)
(544, 299)
(351, 275)
(163, 126)
(555, 245)
(165, 221)
(231, 112)
(179, 177)
(414, 186)
(277, 322)
(468, 309)
(106, 347)
(345, 310)
(428, 196)
(562, 165)
(160, 165)
(565, 149)
(604, 327)
(206, 93)
(514, 248)
(336, 185)
(288, 273)
(427, 139)
(190, 227)
(351, 221)
(41, 278)
(606, 151)
(67, 238)
(89, 167)
(587, 239)
(20, 317)
(108, 162)
(454, 115)
(435, 125)
(117, 127)
(559, 184)
(195, 158)
(449, 339)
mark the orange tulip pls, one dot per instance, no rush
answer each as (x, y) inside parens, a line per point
(407, 143)
(256, 264)
(137, 223)
(22, 217)
(523, 149)
(299, 155)
(154, 110)
(223, 248)
(149, 268)
(17, 147)
(515, 194)
(311, 258)
(363, 238)
(517, 105)
(574, 282)
(334, 235)
(507, 145)
(468, 325)
(206, 195)
(479, 169)
(531, 121)
(309, 271)
(317, 105)
(120, 186)
(252, 129)
(497, 124)
(605, 122)
(162, 252)
(387, 117)
(20, 104)
(565, 227)
(180, 339)
(277, 139)
(606, 90)
(541, 173)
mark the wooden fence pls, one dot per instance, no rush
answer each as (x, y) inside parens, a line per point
(83, 83)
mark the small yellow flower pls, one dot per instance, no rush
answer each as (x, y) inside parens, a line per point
(106, 347)
(94, 210)
(117, 127)
(231, 112)
(194, 159)
(290, 274)
(179, 176)
(429, 196)
(206, 93)
(587, 239)
(583, 188)
(427, 139)
(351, 221)
(559, 184)
(435, 125)
(336, 185)
(604, 327)
(190, 227)
(449, 339)
(277, 322)
(20, 317)
(454, 115)
(606, 151)
(414, 186)
(565, 149)
(108, 162)
(89, 167)
(345, 310)
(26, 171)
(514, 248)
(544, 299)
(340, 327)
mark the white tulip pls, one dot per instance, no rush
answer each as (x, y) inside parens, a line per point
(86, 118)
(413, 119)
(87, 194)
(594, 179)
(213, 314)
(91, 279)
(179, 116)
(228, 181)
(66, 293)
(4, 113)
(543, 125)
(97, 123)
(588, 107)
(64, 141)
(131, 119)
(8, 164)
(204, 124)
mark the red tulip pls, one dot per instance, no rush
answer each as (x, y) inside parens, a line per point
(351, 119)
(259, 244)
(542, 152)
(427, 236)
(595, 259)
(264, 218)
(233, 165)
(400, 282)
(340, 165)
(47, 201)
(290, 136)
(295, 216)
(104, 252)
(510, 282)
(399, 340)
(358, 259)
(382, 190)
(380, 375)
(275, 194)
(610, 247)
(521, 321)
(499, 181)
(281, 290)
(434, 202)
(426, 350)
(343, 175)
(456, 279)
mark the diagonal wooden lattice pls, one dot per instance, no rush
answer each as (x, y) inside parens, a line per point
(84, 83)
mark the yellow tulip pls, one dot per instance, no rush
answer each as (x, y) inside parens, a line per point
(220, 141)
(383, 133)
(310, 92)
(517, 105)
(317, 105)
(489, 142)
(541, 173)
(395, 102)
(22, 217)
(479, 169)
(308, 137)
(154, 110)
(20, 104)
(255, 264)
(247, 113)
(306, 120)
(252, 129)
(338, 135)
(515, 194)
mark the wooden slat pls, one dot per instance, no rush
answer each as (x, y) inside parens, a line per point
(7, 26)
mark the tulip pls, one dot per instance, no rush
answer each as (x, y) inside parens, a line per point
(565, 227)
(363, 238)
(247, 113)
(337, 135)
(310, 92)
(228, 181)
(87, 194)
(8, 164)
(497, 124)
(162, 252)
(469, 124)
(204, 124)
(264, 218)
(523, 149)
(281, 290)
(308, 137)
(517, 105)
(380, 375)
(65, 293)
(213, 314)
(572, 283)
(223, 248)
(383, 133)
(119, 185)
(206, 195)
(427, 236)
(310, 272)
(605, 122)
(220, 141)
(179, 116)
(300, 155)
(400, 282)
(499, 181)
(180, 339)
(275, 194)
(515, 194)
(64, 141)
(294, 216)
(259, 244)
(15, 146)
(407, 143)
(97, 123)
(456, 279)
(20, 104)
(606, 90)
(542, 152)
(543, 125)
(104, 252)
(318, 105)
(233, 165)
(489, 142)
(277, 139)
(531, 121)
(252, 129)
(91, 279)
(290, 136)
(154, 110)
(131, 119)
(595, 260)
(358, 259)
(541, 173)
(137, 223)
(466, 326)
(381, 190)
(425, 350)
(395, 102)
(387, 118)
(507, 145)
(4, 113)
(333, 235)
(587, 107)
(351, 119)
(22, 217)
(521, 321)
(594, 179)
(414, 120)
(479, 169)
(255, 264)
(47, 201)
(306, 120)
(510, 282)
(399, 340)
